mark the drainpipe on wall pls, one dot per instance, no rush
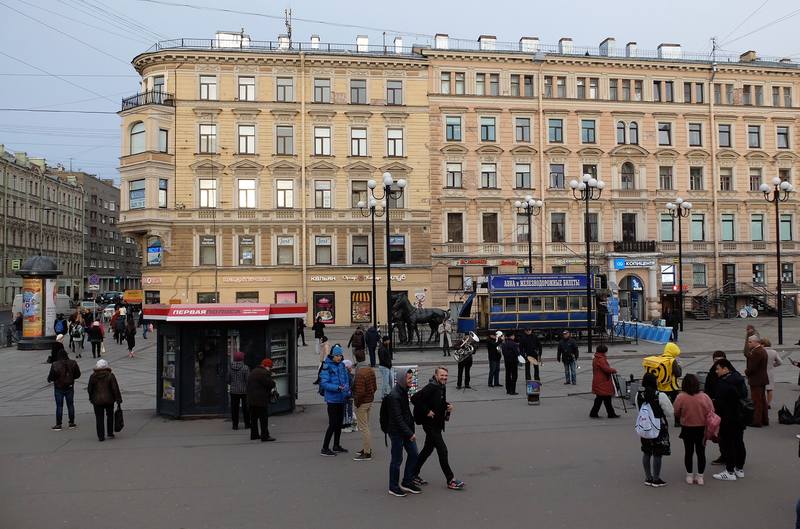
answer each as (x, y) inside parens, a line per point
(714, 176)
(303, 237)
(542, 179)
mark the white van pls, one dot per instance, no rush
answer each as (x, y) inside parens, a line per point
(62, 305)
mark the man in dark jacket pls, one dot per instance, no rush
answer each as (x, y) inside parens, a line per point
(301, 330)
(758, 379)
(432, 410)
(18, 326)
(493, 345)
(357, 340)
(385, 366)
(259, 390)
(63, 373)
(319, 332)
(401, 433)
(371, 338)
(568, 354)
(729, 391)
(510, 353)
(531, 349)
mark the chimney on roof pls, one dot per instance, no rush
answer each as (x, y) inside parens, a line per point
(607, 46)
(630, 49)
(748, 56)
(314, 42)
(398, 44)
(669, 51)
(487, 42)
(283, 42)
(565, 45)
(441, 41)
(362, 43)
(529, 44)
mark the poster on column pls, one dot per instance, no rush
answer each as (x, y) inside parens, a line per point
(31, 307)
(50, 307)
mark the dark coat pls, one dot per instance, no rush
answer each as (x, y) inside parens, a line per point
(103, 388)
(384, 357)
(729, 390)
(567, 350)
(259, 387)
(401, 422)
(57, 350)
(238, 372)
(95, 333)
(492, 347)
(357, 340)
(510, 351)
(756, 370)
(371, 337)
(530, 346)
(433, 397)
(602, 386)
(63, 373)
(319, 329)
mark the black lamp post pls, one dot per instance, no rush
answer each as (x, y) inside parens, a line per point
(678, 210)
(778, 193)
(388, 193)
(370, 210)
(529, 207)
(589, 188)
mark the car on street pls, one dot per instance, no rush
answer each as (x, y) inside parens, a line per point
(108, 311)
(110, 297)
(89, 305)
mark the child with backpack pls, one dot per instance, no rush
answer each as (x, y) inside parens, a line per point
(76, 336)
(655, 411)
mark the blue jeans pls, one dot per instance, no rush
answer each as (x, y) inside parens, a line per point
(494, 372)
(400, 443)
(384, 381)
(569, 371)
(60, 395)
(144, 330)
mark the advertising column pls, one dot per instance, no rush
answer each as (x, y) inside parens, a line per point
(32, 307)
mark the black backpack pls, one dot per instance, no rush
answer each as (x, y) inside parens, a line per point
(319, 387)
(384, 414)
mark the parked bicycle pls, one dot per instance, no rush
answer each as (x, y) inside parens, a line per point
(748, 311)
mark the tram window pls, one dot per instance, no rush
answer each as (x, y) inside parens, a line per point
(497, 305)
(583, 303)
(574, 303)
(522, 305)
(561, 303)
(511, 304)
(549, 303)
(536, 304)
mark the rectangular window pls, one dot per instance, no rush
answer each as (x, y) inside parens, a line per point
(394, 142)
(522, 176)
(587, 131)
(358, 91)
(489, 227)
(322, 141)
(695, 134)
(397, 203)
(208, 192)
(247, 139)
(515, 86)
(665, 133)
(444, 83)
(759, 95)
(208, 87)
(247, 297)
(555, 130)
(358, 142)
(594, 85)
(285, 89)
(163, 140)
(717, 94)
(725, 135)
(322, 249)
(322, 90)
(488, 129)
(665, 177)
(247, 250)
(480, 84)
(455, 278)
(489, 175)
(454, 175)
(561, 87)
(285, 138)
(667, 228)
(247, 193)
(757, 227)
(460, 83)
(667, 275)
(208, 139)
(696, 179)
(612, 90)
(594, 227)
(629, 227)
(687, 92)
(208, 250)
(729, 94)
(247, 88)
(787, 273)
(786, 227)
(285, 190)
(581, 88)
(657, 91)
(776, 96)
(494, 84)
(162, 192)
(758, 274)
(453, 128)
(322, 194)
(360, 250)
(548, 86)
(136, 194)
(783, 137)
(522, 228)
(358, 193)
(726, 179)
(755, 178)
(698, 275)
(754, 136)
(285, 250)
(558, 227)
(557, 176)
(669, 96)
(394, 92)
(397, 249)
(699, 92)
(455, 227)
(728, 222)
(747, 98)
(787, 96)
(522, 130)
(698, 227)
(626, 90)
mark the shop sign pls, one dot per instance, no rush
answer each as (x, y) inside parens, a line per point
(537, 281)
(208, 240)
(621, 263)
(134, 297)
(16, 264)
(473, 261)
(509, 262)
(148, 280)
(285, 241)
(246, 279)
(323, 278)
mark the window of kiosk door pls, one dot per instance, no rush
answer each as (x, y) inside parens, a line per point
(208, 372)
(279, 353)
(574, 303)
(561, 303)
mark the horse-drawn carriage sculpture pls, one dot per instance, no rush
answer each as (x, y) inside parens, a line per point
(407, 317)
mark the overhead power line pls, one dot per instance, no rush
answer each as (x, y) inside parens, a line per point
(107, 15)
(748, 17)
(55, 111)
(94, 75)
(768, 24)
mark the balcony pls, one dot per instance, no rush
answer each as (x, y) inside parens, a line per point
(635, 246)
(148, 98)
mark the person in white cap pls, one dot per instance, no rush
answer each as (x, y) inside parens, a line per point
(103, 393)
(493, 346)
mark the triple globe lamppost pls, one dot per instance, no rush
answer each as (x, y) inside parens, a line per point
(678, 210)
(530, 207)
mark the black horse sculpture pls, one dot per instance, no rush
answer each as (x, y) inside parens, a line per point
(404, 311)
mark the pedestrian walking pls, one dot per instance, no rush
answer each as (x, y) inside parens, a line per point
(654, 449)
(445, 339)
(238, 374)
(260, 390)
(602, 385)
(319, 332)
(432, 411)
(349, 420)
(130, 337)
(63, 373)
(757, 378)
(567, 354)
(60, 325)
(301, 330)
(773, 361)
(96, 336)
(56, 349)
(357, 340)
(531, 349)
(17, 326)
(365, 385)
(692, 406)
(493, 348)
(464, 367)
(323, 349)
(372, 339)
(400, 429)
(335, 382)
(385, 366)
(748, 332)
(144, 324)
(76, 336)
(103, 393)
(729, 391)
(510, 351)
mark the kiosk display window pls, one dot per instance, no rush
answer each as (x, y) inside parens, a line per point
(168, 371)
(279, 353)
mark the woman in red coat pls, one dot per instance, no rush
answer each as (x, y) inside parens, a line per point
(602, 386)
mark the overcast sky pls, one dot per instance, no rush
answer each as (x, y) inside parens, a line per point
(98, 73)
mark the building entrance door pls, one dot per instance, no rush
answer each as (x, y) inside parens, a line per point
(632, 298)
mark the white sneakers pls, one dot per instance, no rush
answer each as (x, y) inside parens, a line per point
(692, 479)
(739, 473)
(730, 476)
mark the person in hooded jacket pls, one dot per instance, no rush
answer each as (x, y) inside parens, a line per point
(237, 380)
(730, 389)
(401, 434)
(63, 373)
(260, 387)
(103, 393)
(602, 385)
(335, 381)
(371, 338)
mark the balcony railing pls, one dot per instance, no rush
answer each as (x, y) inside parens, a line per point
(635, 246)
(152, 97)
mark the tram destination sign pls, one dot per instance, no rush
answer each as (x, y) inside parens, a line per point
(537, 282)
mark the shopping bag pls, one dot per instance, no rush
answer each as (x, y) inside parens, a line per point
(149, 327)
(119, 419)
(102, 348)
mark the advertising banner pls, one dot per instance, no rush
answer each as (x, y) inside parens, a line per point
(50, 306)
(325, 307)
(31, 307)
(361, 307)
(537, 282)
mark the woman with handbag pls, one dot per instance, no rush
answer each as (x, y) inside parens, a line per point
(655, 449)
(692, 406)
(260, 391)
(103, 393)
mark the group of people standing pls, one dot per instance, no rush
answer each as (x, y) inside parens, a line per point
(252, 391)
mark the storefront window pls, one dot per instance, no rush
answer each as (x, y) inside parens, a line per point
(285, 250)
(361, 307)
(208, 250)
(285, 297)
(247, 297)
(154, 251)
(247, 250)
(397, 249)
(325, 307)
(152, 296)
(667, 275)
(207, 297)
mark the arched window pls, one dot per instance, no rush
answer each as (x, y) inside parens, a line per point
(137, 137)
(620, 133)
(633, 133)
(628, 177)
(154, 251)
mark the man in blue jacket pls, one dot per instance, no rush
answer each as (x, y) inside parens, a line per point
(401, 433)
(335, 382)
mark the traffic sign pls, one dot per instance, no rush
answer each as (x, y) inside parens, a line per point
(94, 288)
(94, 279)
(16, 264)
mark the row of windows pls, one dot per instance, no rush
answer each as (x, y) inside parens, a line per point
(729, 272)
(29, 185)
(539, 304)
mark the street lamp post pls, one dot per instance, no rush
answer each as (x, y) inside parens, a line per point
(778, 193)
(388, 193)
(678, 210)
(370, 210)
(587, 189)
(529, 207)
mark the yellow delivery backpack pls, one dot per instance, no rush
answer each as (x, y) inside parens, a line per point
(661, 367)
